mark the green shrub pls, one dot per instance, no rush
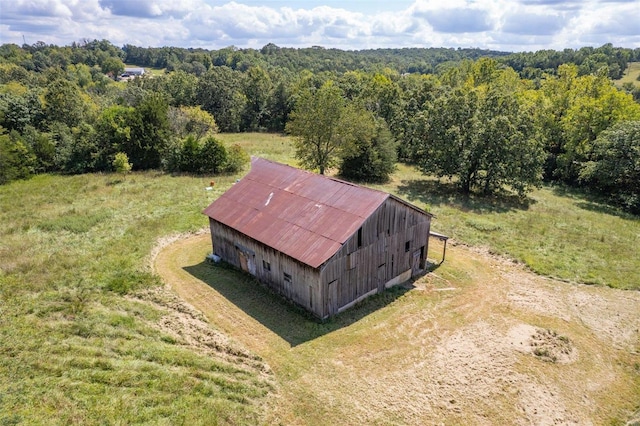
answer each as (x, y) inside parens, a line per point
(190, 155)
(121, 163)
(16, 160)
(237, 158)
(213, 156)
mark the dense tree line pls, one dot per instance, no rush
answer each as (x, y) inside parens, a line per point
(316, 59)
(404, 60)
(488, 120)
(589, 60)
(69, 115)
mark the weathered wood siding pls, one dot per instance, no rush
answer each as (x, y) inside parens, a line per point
(393, 241)
(385, 247)
(269, 267)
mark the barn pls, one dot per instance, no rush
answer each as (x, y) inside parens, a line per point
(134, 72)
(323, 243)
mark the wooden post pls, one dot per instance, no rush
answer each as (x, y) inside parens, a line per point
(443, 238)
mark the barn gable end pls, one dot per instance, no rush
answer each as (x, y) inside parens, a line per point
(319, 241)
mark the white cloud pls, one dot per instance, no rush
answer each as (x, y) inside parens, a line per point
(455, 17)
(623, 20)
(136, 9)
(151, 8)
(40, 8)
(535, 20)
(495, 24)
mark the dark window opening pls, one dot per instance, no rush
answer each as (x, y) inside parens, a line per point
(359, 237)
(266, 265)
(407, 246)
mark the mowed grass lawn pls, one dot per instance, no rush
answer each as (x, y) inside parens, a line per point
(77, 348)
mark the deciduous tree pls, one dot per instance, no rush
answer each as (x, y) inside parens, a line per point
(481, 134)
(372, 154)
(315, 125)
(615, 166)
(191, 120)
(63, 102)
(16, 160)
(257, 89)
(220, 93)
(149, 132)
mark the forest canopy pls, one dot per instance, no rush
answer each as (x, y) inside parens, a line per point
(491, 121)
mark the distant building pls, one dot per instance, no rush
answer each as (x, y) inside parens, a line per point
(131, 73)
(134, 71)
(321, 242)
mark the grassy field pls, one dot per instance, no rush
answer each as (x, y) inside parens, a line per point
(556, 232)
(73, 350)
(82, 341)
(631, 75)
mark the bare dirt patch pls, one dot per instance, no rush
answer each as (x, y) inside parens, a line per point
(547, 345)
(499, 346)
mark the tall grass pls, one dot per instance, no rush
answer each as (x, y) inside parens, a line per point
(72, 349)
(266, 145)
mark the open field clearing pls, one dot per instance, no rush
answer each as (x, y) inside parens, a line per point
(89, 334)
(631, 74)
(478, 341)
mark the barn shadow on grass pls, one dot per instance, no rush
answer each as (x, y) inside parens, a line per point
(435, 193)
(292, 323)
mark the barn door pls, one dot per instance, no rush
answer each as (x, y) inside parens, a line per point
(247, 262)
(246, 259)
(382, 277)
(243, 261)
(415, 264)
(332, 298)
(251, 264)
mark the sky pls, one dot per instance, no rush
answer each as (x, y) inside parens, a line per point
(506, 25)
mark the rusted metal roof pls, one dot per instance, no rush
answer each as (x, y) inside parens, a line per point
(301, 214)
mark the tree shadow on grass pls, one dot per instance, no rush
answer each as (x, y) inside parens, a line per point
(593, 202)
(290, 322)
(434, 193)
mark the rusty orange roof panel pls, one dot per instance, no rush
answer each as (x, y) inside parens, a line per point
(299, 213)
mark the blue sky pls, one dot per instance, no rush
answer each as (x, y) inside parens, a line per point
(509, 25)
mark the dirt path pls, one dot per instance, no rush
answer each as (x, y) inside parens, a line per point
(479, 341)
